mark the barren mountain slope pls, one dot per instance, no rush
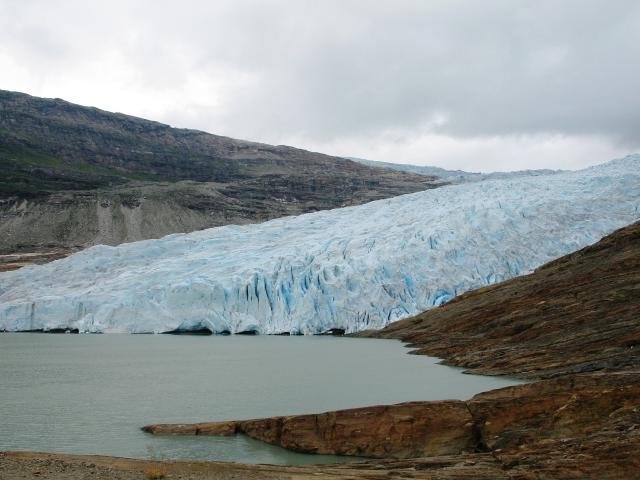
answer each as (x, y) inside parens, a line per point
(74, 176)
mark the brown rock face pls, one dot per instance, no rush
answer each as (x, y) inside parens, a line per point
(400, 431)
(569, 407)
(577, 426)
(17, 260)
(220, 429)
(405, 430)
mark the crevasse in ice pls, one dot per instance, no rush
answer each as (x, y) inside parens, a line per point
(351, 268)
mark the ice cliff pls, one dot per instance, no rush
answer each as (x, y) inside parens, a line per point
(352, 268)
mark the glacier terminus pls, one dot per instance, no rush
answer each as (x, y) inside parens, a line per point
(352, 268)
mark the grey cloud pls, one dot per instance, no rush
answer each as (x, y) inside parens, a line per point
(333, 69)
(492, 68)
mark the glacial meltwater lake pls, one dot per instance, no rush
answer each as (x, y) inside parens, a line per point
(90, 394)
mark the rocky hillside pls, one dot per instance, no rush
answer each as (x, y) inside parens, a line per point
(74, 176)
(579, 313)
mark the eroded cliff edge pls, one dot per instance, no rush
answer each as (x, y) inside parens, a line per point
(568, 427)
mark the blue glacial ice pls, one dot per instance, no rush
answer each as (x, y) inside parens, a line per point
(352, 268)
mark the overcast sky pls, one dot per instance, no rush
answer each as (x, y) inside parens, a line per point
(476, 85)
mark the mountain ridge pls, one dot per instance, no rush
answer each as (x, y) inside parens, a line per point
(76, 176)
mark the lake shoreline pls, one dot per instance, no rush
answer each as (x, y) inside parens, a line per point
(57, 466)
(581, 421)
(510, 432)
(164, 379)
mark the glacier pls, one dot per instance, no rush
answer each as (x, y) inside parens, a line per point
(351, 268)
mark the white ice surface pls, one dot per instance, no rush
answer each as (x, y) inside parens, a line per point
(353, 268)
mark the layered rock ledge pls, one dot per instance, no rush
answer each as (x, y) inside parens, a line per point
(544, 425)
(412, 429)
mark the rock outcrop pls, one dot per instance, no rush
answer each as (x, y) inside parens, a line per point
(406, 430)
(569, 427)
(13, 261)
